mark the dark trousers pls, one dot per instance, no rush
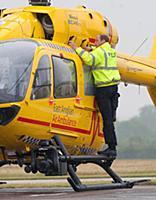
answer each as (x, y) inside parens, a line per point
(107, 100)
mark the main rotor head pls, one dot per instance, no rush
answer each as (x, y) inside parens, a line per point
(40, 2)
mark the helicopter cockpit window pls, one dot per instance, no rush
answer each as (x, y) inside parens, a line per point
(42, 82)
(15, 68)
(88, 81)
(64, 78)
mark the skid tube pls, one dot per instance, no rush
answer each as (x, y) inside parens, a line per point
(102, 161)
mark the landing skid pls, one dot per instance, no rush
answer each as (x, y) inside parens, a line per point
(102, 161)
(51, 158)
(2, 182)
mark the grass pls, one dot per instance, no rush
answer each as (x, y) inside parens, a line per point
(128, 168)
(125, 168)
(35, 185)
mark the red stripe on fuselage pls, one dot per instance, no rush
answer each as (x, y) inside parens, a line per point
(33, 121)
(42, 123)
(69, 128)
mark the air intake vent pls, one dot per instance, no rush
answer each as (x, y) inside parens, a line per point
(8, 114)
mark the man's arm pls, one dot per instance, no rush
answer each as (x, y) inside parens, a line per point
(89, 58)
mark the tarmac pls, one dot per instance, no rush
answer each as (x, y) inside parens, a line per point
(138, 192)
(142, 192)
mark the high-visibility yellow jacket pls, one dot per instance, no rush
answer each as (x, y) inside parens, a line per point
(104, 64)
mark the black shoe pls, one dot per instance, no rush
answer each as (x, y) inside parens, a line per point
(102, 151)
(108, 152)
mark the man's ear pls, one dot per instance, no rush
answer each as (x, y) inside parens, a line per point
(102, 41)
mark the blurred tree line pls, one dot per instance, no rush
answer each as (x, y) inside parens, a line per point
(137, 136)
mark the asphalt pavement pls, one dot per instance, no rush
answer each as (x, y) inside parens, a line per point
(136, 193)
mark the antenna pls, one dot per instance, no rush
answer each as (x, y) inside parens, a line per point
(40, 2)
(126, 84)
(139, 47)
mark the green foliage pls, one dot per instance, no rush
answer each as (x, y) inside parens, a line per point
(137, 136)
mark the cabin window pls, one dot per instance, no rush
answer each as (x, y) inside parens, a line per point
(64, 78)
(89, 87)
(15, 68)
(42, 82)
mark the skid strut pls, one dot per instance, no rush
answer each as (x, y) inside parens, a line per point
(102, 161)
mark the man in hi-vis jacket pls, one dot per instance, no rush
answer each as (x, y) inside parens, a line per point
(106, 75)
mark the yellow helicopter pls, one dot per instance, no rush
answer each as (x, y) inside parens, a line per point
(49, 121)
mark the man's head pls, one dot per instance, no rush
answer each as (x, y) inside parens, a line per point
(101, 39)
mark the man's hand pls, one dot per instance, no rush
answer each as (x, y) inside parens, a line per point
(72, 44)
(86, 48)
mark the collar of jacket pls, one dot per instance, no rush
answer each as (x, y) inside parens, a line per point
(105, 45)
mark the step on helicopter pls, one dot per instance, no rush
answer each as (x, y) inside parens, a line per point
(49, 120)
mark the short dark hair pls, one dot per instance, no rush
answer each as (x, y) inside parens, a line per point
(104, 37)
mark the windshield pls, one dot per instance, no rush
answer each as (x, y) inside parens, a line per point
(15, 66)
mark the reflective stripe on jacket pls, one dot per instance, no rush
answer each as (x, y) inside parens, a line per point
(104, 64)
